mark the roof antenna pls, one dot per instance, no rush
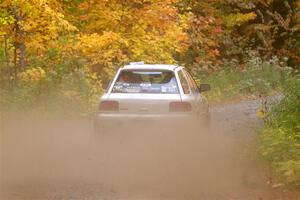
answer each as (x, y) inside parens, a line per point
(137, 63)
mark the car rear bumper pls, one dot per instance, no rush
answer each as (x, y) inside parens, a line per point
(114, 120)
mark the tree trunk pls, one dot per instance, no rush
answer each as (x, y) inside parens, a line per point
(20, 47)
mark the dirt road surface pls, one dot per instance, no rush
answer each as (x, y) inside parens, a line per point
(64, 160)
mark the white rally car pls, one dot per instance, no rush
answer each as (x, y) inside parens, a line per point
(151, 92)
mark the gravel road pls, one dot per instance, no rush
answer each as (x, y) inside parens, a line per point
(64, 160)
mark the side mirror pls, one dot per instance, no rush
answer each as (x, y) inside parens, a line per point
(204, 87)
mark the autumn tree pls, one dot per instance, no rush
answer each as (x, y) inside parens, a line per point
(29, 27)
(269, 27)
(116, 32)
(204, 30)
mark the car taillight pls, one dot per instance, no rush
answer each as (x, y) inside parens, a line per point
(109, 106)
(180, 107)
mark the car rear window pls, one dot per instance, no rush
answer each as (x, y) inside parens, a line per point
(146, 81)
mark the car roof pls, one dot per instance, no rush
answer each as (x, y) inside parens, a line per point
(151, 66)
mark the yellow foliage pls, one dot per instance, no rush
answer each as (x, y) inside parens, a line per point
(33, 75)
(239, 19)
(150, 31)
(42, 19)
(261, 113)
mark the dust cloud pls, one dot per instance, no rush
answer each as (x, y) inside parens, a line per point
(65, 159)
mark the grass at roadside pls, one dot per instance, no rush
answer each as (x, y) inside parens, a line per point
(280, 137)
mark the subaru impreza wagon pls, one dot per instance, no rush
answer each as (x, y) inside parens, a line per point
(144, 92)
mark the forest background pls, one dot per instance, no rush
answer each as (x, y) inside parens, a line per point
(57, 56)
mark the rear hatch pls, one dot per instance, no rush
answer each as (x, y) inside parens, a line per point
(144, 103)
(145, 91)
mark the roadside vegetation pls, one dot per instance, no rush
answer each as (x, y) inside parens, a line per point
(280, 138)
(56, 56)
(256, 80)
